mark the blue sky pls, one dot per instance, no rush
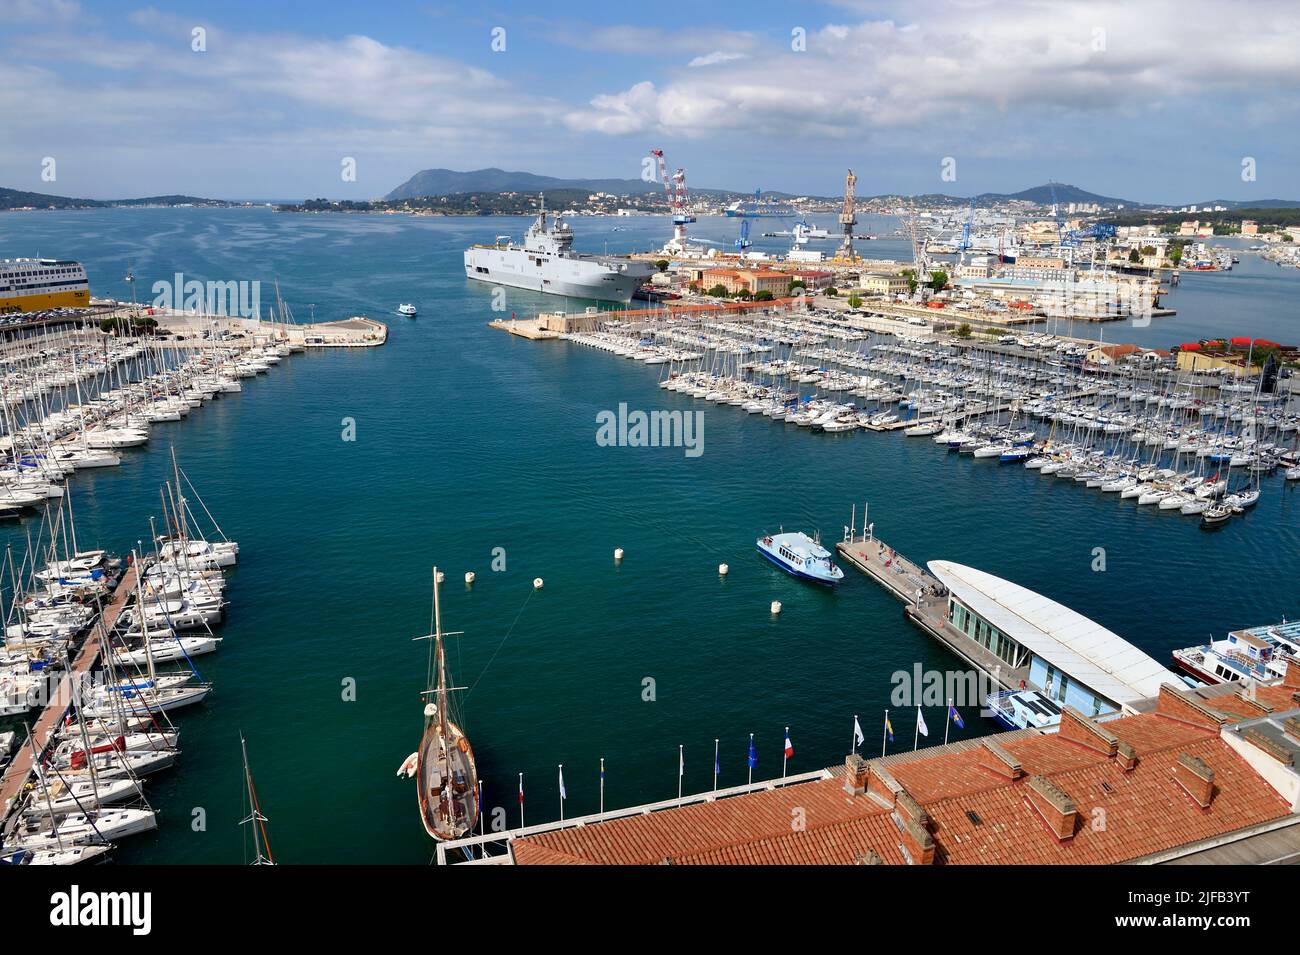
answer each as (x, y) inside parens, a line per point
(1158, 101)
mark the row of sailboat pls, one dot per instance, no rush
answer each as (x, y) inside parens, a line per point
(1197, 446)
(150, 620)
(70, 402)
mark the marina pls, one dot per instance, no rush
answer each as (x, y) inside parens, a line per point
(999, 509)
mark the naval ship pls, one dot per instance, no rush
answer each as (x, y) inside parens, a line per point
(546, 262)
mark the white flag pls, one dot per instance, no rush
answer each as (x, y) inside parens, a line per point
(563, 794)
(920, 723)
(681, 761)
(858, 738)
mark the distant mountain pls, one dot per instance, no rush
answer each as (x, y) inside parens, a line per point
(17, 199)
(1246, 204)
(1064, 193)
(449, 182)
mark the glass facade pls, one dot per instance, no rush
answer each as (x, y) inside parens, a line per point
(984, 633)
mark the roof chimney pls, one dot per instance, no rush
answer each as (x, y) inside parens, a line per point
(1054, 805)
(1291, 679)
(1196, 778)
(882, 786)
(855, 775)
(1079, 729)
(918, 844)
(1185, 708)
(1126, 756)
(993, 757)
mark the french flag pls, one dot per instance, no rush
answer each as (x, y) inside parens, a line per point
(789, 747)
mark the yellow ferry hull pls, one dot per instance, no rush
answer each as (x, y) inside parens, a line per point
(77, 298)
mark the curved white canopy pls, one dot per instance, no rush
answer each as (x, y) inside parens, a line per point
(1081, 648)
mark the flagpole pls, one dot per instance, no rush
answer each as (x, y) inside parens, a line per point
(884, 734)
(916, 737)
(521, 800)
(715, 764)
(854, 747)
(602, 786)
(947, 721)
(681, 765)
(784, 758)
(561, 792)
(482, 824)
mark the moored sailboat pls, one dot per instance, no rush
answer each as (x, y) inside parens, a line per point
(444, 767)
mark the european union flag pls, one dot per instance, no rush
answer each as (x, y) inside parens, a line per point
(753, 753)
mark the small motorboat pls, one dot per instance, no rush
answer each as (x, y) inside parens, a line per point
(407, 309)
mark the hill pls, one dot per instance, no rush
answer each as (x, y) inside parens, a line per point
(450, 182)
(18, 199)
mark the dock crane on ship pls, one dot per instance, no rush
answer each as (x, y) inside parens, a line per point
(675, 192)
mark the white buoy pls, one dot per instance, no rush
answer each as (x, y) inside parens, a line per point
(441, 577)
(537, 583)
(618, 553)
(722, 570)
(776, 606)
(469, 576)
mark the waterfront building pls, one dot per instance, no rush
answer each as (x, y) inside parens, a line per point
(752, 281)
(1070, 659)
(883, 283)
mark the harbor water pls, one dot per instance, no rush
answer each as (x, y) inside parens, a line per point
(477, 451)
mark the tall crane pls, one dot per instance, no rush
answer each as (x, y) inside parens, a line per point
(743, 242)
(848, 219)
(964, 244)
(675, 191)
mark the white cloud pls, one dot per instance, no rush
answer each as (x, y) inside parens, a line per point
(717, 56)
(961, 62)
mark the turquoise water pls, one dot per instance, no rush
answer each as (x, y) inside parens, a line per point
(469, 440)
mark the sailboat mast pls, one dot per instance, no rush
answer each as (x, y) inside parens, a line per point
(442, 659)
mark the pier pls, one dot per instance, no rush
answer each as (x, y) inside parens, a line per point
(926, 604)
(19, 769)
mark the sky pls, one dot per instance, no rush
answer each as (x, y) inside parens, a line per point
(1155, 101)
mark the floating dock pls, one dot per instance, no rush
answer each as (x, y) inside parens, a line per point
(19, 770)
(926, 604)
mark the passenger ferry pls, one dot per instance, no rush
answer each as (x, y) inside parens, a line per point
(31, 285)
(801, 556)
(1258, 653)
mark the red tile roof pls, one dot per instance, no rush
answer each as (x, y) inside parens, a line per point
(1122, 815)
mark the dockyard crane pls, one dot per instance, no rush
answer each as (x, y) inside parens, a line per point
(848, 219)
(964, 244)
(675, 191)
(743, 242)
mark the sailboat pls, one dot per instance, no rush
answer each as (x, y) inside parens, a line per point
(444, 768)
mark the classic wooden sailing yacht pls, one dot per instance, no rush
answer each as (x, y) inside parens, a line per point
(445, 772)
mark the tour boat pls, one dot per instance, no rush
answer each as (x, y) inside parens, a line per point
(800, 556)
(407, 309)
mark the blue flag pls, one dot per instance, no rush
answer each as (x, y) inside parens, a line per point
(955, 716)
(753, 753)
